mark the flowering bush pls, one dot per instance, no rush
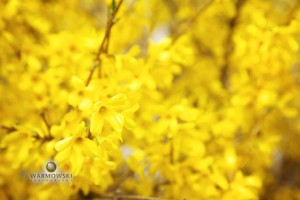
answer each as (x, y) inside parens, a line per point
(159, 99)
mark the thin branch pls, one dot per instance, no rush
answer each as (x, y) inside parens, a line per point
(191, 21)
(171, 153)
(229, 44)
(103, 48)
(122, 177)
(43, 116)
(291, 13)
(9, 129)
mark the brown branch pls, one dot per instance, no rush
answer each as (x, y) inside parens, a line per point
(9, 129)
(191, 21)
(229, 45)
(103, 48)
(290, 16)
(43, 116)
(171, 153)
(122, 177)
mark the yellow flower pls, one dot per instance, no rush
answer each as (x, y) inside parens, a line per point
(112, 111)
(76, 149)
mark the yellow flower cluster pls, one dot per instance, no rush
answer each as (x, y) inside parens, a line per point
(157, 99)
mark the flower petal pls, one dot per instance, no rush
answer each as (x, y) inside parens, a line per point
(90, 146)
(96, 123)
(63, 155)
(132, 109)
(77, 160)
(117, 100)
(116, 121)
(62, 144)
(129, 124)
